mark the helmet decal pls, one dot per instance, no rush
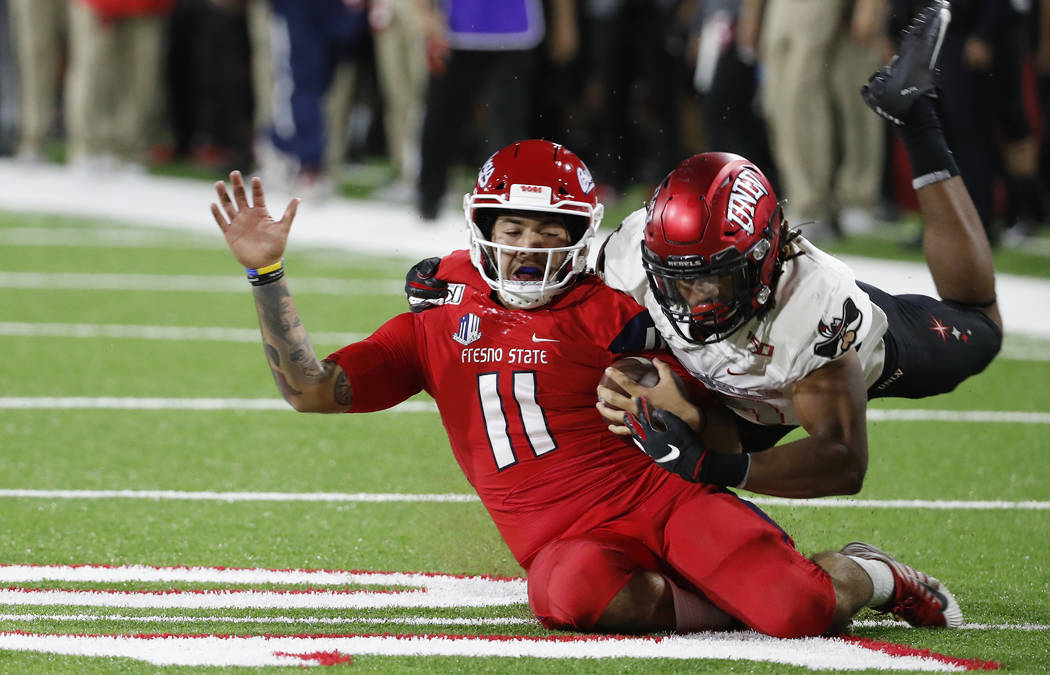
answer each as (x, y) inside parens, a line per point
(743, 199)
(525, 194)
(485, 174)
(585, 179)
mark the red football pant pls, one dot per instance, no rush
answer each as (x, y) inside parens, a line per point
(706, 540)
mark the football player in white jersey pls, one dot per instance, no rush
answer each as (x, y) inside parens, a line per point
(783, 331)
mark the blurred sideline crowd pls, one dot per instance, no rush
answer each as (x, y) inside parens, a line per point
(295, 89)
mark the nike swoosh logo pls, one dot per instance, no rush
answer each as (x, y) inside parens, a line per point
(732, 373)
(937, 594)
(670, 456)
(539, 339)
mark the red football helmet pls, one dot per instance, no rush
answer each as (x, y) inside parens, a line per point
(532, 175)
(712, 243)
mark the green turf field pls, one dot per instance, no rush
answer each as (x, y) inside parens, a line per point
(127, 358)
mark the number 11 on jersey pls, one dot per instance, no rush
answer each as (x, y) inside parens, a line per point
(497, 426)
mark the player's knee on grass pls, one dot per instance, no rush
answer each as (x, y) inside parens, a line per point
(644, 605)
(573, 581)
(795, 597)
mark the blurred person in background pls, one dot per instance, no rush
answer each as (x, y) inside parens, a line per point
(8, 87)
(257, 14)
(1042, 73)
(490, 48)
(39, 35)
(633, 70)
(308, 41)
(113, 89)
(815, 54)
(208, 74)
(726, 73)
(400, 53)
(1027, 161)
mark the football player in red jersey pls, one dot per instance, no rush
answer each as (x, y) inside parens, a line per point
(512, 355)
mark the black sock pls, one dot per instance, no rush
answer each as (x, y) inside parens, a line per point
(931, 158)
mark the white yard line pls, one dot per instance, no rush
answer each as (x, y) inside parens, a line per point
(208, 496)
(116, 574)
(152, 403)
(417, 621)
(107, 237)
(231, 283)
(833, 654)
(890, 623)
(424, 590)
(121, 403)
(322, 620)
(252, 599)
(919, 415)
(1013, 349)
(1019, 353)
(179, 333)
(369, 497)
(943, 504)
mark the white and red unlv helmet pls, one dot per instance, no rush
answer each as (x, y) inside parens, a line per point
(712, 245)
(540, 176)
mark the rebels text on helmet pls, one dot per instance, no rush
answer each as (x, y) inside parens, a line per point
(743, 200)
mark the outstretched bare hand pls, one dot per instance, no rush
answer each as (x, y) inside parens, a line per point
(255, 239)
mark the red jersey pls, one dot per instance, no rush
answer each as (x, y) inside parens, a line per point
(516, 392)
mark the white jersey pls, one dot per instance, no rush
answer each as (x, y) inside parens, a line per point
(819, 314)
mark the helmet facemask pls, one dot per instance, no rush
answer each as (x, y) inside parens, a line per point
(707, 302)
(556, 268)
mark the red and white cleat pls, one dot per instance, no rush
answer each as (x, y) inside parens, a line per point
(918, 598)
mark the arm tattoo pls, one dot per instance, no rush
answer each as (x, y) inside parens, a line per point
(277, 313)
(303, 357)
(342, 392)
(284, 334)
(283, 386)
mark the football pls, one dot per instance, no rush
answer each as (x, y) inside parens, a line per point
(638, 368)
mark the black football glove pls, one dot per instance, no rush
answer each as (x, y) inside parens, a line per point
(423, 289)
(675, 447)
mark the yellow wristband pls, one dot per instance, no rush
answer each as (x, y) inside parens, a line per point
(266, 275)
(265, 270)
